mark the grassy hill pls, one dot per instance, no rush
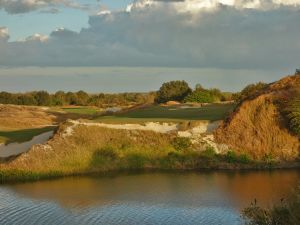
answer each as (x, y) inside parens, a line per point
(263, 125)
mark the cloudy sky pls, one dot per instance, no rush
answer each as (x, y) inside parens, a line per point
(123, 45)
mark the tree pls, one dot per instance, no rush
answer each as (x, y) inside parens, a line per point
(199, 87)
(7, 98)
(71, 98)
(42, 98)
(82, 98)
(173, 91)
(26, 99)
(59, 98)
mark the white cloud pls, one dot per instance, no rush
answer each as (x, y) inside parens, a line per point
(37, 37)
(23, 6)
(286, 2)
(153, 33)
(4, 34)
(196, 6)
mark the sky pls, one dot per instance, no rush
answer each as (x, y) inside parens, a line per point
(135, 45)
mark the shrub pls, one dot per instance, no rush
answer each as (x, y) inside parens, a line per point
(244, 158)
(268, 158)
(201, 96)
(251, 90)
(209, 153)
(231, 157)
(104, 155)
(181, 143)
(292, 113)
(136, 160)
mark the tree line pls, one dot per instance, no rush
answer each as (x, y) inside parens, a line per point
(169, 91)
(80, 98)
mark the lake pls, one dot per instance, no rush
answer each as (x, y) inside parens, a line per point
(143, 198)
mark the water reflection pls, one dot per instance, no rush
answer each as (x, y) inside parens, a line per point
(154, 198)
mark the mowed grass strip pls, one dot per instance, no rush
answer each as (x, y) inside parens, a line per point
(212, 112)
(82, 110)
(22, 135)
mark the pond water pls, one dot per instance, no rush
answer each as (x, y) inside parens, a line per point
(13, 149)
(148, 198)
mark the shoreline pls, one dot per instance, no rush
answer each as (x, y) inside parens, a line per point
(11, 176)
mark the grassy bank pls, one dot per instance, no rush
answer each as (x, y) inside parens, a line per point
(92, 149)
(184, 163)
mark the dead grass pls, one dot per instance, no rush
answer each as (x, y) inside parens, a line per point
(257, 128)
(13, 117)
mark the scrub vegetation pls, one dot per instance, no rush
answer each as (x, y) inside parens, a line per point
(287, 212)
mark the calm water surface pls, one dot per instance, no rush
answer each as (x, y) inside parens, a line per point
(137, 199)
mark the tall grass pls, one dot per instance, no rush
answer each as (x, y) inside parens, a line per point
(92, 149)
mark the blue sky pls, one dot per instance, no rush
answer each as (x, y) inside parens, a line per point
(221, 43)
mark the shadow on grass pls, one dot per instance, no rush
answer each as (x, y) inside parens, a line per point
(210, 112)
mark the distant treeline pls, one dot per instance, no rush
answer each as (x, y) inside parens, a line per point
(80, 98)
(169, 91)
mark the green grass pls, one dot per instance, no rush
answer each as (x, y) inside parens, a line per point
(22, 135)
(212, 112)
(82, 110)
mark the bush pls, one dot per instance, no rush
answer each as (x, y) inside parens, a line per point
(181, 143)
(244, 158)
(231, 157)
(201, 96)
(136, 160)
(209, 153)
(291, 111)
(251, 90)
(268, 158)
(104, 155)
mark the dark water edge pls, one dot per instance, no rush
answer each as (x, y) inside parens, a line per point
(202, 197)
